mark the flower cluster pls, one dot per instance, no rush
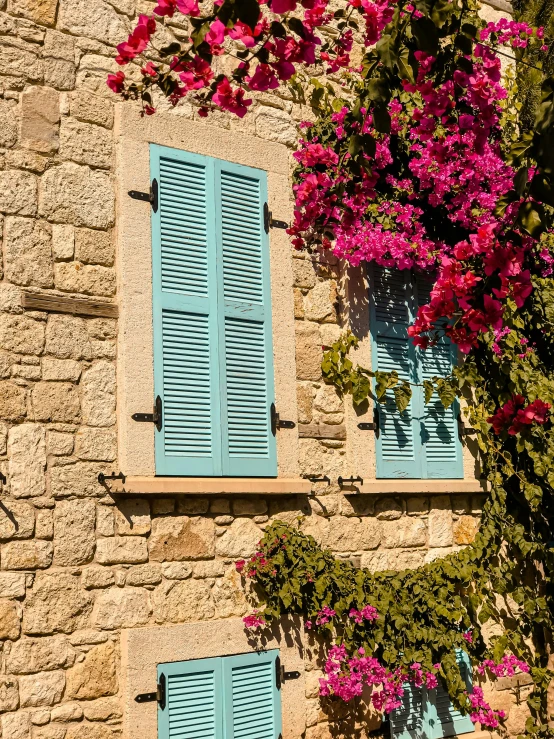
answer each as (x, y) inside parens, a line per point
(507, 666)
(513, 33)
(254, 621)
(515, 415)
(481, 712)
(368, 613)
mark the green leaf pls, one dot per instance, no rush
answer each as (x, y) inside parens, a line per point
(532, 218)
(381, 119)
(428, 389)
(426, 35)
(520, 180)
(402, 396)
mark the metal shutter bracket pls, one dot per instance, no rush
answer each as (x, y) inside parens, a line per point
(158, 696)
(155, 417)
(281, 675)
(270, 222)
(147, 197)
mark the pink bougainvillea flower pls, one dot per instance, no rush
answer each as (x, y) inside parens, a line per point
(116, 81)
(263, 78)
(283, 6)
(231, 99)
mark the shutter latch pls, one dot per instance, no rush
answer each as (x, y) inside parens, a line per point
(350, 480)
(270, 222)
(148, 197)
(277, 423)
(158, 695)
(281, 675)
(371, 426)
(155, 417)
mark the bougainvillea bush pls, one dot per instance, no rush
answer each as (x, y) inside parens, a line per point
(416, 159)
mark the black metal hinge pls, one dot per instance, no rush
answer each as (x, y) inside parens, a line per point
(371, 426)
(277, 422)
(270, 222)
(155, 417)
(102, 477)
(463, 430)
(158, 695)
(350, 480)
(148, 197)
(281, 676)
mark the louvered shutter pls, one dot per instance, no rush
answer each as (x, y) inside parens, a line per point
(194, 700)
(406, 722)
(252, 700)
(442, 450)
(246, 359)
(398, 443)
(186, 346)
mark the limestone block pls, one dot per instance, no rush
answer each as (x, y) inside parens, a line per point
(8, 123)
(59, 73)
(16, 726)
(440, 527)
(59, 45)
(406, 560)
(3, 438)
(67, 712)
(24, 159)
(28, 253)
(17, 520)
(105, 523)
(275, 125)
(320, 302)
(9, 694)
(193, 506)
(417, 505)
(298, 303)
(67, 337)
(103, 709)
(89, 731)
(85, 143)
(21, 334)
(433, 554)
(74, 535)
(63, 241)
(27, 555)
(179, 538)
(40, 717)
(327, 400)
(10, 620)
(55, 401)
(51, 731)
(19, 59)
(163, 506)
(239, 540)
(28, 656)
(18, 192)
(59, 444)
(176, 570)
(96, 444)
(97, 577)
(94, 247)
(353, 534)
(223, 520)
(377, 561)
(71, 193)
(39, 11)
(12, 585)
(76, 479)
(388, 509)
(96, 675)
(102, 328)
(209, 568)
(304, 273)
(60, 369)
(99, 394)
(40, 117)
(132, 517)
(44, 528)
(27, 460)
(149, 574)
(358, 505)
(56, 603)
(308, 352)
(465, 529)
(118, 608)
(44, 689)
(315, 458)
(304, 398)
(404, 532)
(249, 507)
(91, 108)
(228, 595)
(12, 402)
(182, 600)
(87, 279)
(93, 19)
(121, 550)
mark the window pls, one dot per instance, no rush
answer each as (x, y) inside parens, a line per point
(221, 698)
(423, 441)
(213, 358)
(429, 714)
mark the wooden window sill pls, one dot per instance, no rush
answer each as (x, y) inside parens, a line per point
(433, 487)
(211, 485)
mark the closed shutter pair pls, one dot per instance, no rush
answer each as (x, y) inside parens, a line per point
(213, 357)
(423, 441)
(221, 698)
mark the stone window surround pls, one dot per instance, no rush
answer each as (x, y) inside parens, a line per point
(143, 649)
(135, 376)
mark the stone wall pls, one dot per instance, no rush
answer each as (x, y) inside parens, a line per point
(77, 565)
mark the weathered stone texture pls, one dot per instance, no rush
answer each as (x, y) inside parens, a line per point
(97, 577)
(183, 600)
(465, 529)
(440, 527)
(132, 517)
(39, 11)
(89, 731)
(67, 338)
(121, 550)
(55, 401)
(91, 108)
(148, 574)
(28, 656)
(10, 620)
(85, 143)
(240, 539)
(179, 538)
(27, 555)
(9, 694)
(74, 537)
(92, 19)
(19, 59)
(21, 334)
(12, 402)
(228, 595)
(12, 585)
(17, 520)
(320, 304)
(56, 603)
(405, 532)
(82, 278)
(63, 241)
(60, 369)
(276, 125)
(18, 192)
(71, 193)
(96, 444)
(95, 676)
(28, 252)
(44, 689)
(103, 709)
(121, 608)
(99, 394)
(27, 460)
(40, 117)
(354, 534)
(16, 725)
(59, 45)
(8, 123)
(94, 247)
(76, 479)
(308, 352)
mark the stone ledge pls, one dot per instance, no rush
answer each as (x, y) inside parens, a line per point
(212, 485)
(438, 487)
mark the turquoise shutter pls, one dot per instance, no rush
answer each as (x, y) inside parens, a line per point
(398, 443)
(442, 449)
(186, 349)
(252, 699)
(193, 706)
(429, 714)
(213, 357)
(246, 358)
